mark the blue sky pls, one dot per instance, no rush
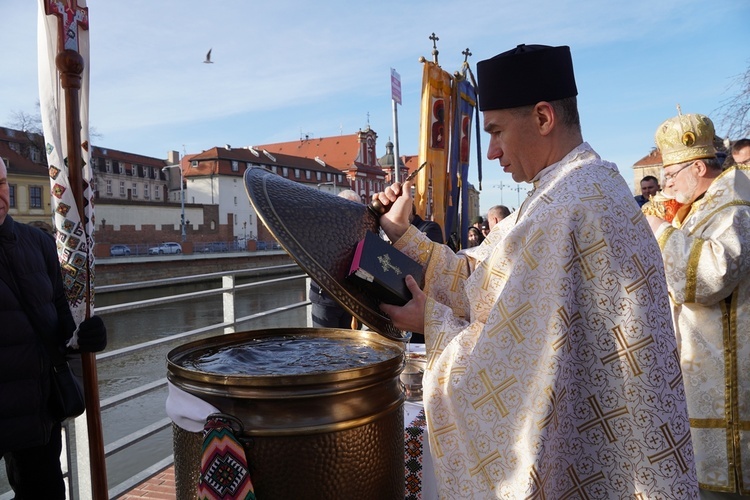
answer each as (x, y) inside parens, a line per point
(288, 68)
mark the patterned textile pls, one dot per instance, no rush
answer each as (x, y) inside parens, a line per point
(707, 259)
(413, 452)
(65, 25)
(224, 470)
(553, 369)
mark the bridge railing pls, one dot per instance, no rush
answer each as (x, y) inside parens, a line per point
(75, 438)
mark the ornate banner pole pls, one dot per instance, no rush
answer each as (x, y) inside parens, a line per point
(70, 65)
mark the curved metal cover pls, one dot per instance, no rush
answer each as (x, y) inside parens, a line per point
(320, 231)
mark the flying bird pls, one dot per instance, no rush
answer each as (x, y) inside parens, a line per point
(208, 57)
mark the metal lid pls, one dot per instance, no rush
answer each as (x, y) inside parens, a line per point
(320, 231)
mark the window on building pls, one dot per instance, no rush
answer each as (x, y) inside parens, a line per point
(146, 191)
(285, 171)
(296, 173)
(157, 192)
(135, 190)
(194, 164)
(35, 197)
(15, 146)
(235, 166)
(122, 168)
(12, 188)
(318, 175)
(108, 165)
(146, 172)
(122, 188)
(109, 187)
(274, 169)
(34, 154)
(307, 174)
(235, 201)
(328, 177)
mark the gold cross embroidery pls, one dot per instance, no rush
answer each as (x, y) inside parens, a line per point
(597, 196)
(677, 380)
(457, 275)
(538, 483)
(627, 351)
(527, 256)
(436, 350)
(491, 271)
(434, 434)
(455, 371)
(493, 392)
(674, 448)
(554, 401)
(385, 262)
(568, 321)
(581, 254)
(602, 418)
(509, 321)
(643, 279)
(577, 489)
(482, 465)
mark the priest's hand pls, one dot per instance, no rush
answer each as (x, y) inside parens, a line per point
(410, 317)
(397, 201)
(655, 222)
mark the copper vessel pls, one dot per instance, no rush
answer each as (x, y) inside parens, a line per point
(329, 435)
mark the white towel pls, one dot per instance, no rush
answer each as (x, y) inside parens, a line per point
(187, 411)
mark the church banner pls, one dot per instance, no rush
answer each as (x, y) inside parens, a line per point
(64, 25)
(464, 104)
(432, 183)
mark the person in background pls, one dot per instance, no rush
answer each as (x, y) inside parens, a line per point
(326, 312)
(477, 222)
(496, 214)
(430, 228)
(485, 228)
(474, 237)
(649, 187)
(741, 152)
(706, 249)
(31, 284)
(552, 365)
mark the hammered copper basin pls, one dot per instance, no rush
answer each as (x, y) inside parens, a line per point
(322, 410)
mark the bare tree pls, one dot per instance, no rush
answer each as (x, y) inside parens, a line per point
(734, 112)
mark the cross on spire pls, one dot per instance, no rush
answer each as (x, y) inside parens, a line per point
(71, 18)
(434, 39)
(467, 54)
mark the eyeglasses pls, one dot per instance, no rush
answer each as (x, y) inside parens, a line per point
(671, 177)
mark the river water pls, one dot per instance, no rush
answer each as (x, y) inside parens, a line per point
(130, 371)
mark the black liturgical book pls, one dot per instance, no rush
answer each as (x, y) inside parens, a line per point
(379, 269)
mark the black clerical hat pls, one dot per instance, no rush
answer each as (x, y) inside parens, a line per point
(524, 76)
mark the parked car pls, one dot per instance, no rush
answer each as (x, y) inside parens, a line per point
(261, 245)
(168, 247)
(119, 250)
(216, 246)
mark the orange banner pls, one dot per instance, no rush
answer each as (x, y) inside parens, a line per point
(432, 188)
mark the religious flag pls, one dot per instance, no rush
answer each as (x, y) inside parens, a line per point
(432, 182)
(464, 104)
(63, 24)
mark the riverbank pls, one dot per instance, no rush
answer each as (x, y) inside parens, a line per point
(118, 270)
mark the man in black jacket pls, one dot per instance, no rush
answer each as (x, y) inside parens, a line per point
(31, 284)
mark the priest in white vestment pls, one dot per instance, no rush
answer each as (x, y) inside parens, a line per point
(706, 250)
(553, 369)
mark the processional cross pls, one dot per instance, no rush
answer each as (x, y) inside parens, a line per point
(71, 18)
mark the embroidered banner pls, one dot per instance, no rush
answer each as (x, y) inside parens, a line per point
(464, 103)
(432, 182)
(224, 469)
(64, 25)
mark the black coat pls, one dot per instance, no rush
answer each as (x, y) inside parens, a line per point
(430, 228)
(28, 264)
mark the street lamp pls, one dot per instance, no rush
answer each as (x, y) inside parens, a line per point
(182, 197)
(501, 186)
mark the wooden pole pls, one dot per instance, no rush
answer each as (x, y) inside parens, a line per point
(70, 65)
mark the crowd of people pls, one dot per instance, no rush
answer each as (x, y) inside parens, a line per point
(590, 346)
